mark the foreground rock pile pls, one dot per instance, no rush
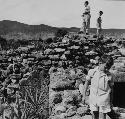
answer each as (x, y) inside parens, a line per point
(65, 99)
(60, 68)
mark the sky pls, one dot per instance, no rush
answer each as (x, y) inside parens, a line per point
(63, 13)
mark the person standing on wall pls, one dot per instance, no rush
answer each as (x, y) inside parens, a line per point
(99, 24)
(102, 81)
(86, 18)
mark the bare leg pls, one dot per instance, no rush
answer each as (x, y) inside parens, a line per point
(97, 32)
(81, 88)
(95, 115)
(88, 24)
(102, 115)
(84, 27)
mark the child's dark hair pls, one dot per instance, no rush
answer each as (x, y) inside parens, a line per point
(86, 2)
(107, 59)
(101, 12)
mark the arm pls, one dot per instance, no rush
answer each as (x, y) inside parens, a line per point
(85, 88)
(87, 82)
(89, 77)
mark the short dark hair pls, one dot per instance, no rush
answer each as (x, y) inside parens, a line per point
(101, 12)
(107, 59)
(86, 2)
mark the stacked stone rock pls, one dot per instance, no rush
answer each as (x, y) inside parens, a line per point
(77, 51)
(65, 98)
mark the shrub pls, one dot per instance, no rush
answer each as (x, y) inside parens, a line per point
(61, 33)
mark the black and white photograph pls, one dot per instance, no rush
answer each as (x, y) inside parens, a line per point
(62, 59)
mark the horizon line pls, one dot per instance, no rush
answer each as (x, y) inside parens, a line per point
(56, 26)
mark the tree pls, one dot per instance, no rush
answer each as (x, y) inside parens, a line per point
(49, 40)
(61, 33)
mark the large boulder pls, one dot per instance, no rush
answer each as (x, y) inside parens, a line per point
(83, 110)
(59, 81)
(47, 51)
(59, 50)
(59, 109)
(63, 85)
(71, 111)
(55, 97)
(122, 51)
(72, 97)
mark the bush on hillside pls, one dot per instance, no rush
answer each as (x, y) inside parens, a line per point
(61, 33)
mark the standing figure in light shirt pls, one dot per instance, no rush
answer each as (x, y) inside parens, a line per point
(86, 18)
(100, 98)
(99, 24)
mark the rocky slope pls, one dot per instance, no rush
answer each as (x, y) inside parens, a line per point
(65, 99)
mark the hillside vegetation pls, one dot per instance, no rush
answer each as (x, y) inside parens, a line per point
(16, 30)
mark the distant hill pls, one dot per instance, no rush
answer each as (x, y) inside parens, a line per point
(7, 26)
